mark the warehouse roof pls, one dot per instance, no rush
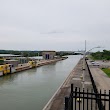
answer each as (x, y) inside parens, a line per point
(9, 55)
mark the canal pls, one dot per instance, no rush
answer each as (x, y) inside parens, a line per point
(32, 89)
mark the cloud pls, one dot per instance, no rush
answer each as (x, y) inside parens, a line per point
(54, 23)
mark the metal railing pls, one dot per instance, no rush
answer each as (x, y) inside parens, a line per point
(87, 100)
(94, 85)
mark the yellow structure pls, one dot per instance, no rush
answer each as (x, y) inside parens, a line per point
(32, 64)
(5, 68)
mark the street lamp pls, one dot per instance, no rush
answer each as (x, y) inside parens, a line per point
(92, 49)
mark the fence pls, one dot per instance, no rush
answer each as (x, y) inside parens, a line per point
(94, 85)
(87, 100)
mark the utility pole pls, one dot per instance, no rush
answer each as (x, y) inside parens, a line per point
(83, 75)
(84, 55)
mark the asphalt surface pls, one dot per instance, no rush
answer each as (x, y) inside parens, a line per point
(102, 81)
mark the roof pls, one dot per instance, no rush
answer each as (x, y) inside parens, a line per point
(9, 55)
(48, 51)
(10, 60)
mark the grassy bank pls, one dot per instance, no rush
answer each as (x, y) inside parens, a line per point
(107, 71)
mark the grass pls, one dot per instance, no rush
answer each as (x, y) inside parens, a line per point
(107, 71)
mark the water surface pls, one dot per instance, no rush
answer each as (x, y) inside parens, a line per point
(31, 89)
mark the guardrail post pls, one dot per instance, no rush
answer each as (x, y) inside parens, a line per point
(87, 99)
(83, 100)
(91, 98)
(100, 100)
(109, 99)
(104, 99)
(71, 96)
(66, 103)
(71, 88)
(75, 96)
(79, 99)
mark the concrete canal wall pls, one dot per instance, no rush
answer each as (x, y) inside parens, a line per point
(46, 62)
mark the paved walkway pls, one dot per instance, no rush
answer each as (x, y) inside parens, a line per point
(102, 81)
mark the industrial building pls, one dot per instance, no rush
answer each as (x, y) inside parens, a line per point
(48, 55)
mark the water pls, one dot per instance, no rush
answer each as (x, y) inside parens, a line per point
(31, 89)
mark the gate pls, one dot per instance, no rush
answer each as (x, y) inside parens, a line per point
(81, 99)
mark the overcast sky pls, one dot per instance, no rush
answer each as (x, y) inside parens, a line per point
(54, 24)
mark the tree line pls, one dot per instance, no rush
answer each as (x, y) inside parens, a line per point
(35, 53)
(22, 53)
(104, 55)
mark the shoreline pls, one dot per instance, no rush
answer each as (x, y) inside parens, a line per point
(27, 67)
